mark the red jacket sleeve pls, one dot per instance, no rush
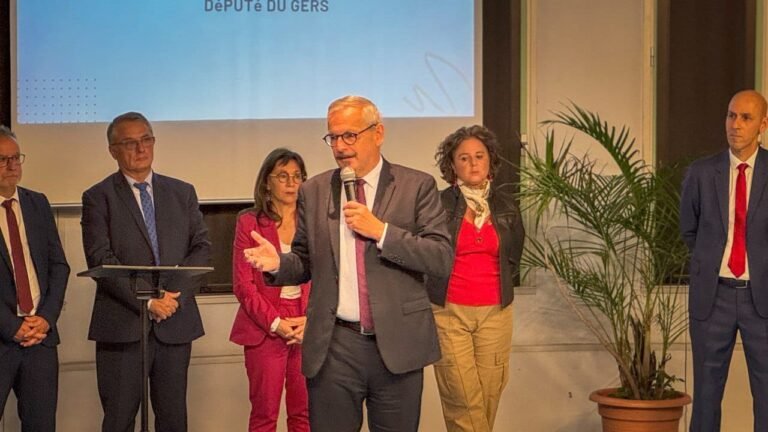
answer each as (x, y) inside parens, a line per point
(248, 283)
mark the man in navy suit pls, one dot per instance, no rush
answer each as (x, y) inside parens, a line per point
(724, 222)
(138, 217)
(33, 278)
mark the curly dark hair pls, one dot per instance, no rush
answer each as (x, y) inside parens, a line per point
(447, 148)
(278, 157)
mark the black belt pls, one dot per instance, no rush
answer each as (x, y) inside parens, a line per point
(354, 326)
(734, 283)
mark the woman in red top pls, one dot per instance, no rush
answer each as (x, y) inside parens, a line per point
(472, 308)
(270, 321)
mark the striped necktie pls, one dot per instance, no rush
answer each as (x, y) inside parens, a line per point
(149, 218)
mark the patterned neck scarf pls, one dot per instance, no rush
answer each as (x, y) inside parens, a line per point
(477, 200)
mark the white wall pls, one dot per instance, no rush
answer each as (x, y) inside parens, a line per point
(596, 53)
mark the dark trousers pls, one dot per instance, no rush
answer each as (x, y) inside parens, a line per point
(118, 371)
(353, 372)
(33, 374)
(712, 341)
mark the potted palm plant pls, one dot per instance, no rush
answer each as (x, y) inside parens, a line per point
(607, 230)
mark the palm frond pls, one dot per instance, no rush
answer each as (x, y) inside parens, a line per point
(612, 242)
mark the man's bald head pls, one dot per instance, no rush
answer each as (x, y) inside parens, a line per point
(756, 98)
(745, 121)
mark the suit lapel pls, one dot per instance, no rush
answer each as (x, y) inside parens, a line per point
(722, 180)
(759, 181)
(5, 254)
(123, 190)
(36, 241)
(268, 229)
(4, 249)
(384, 192)
(163, 221)
(334, 215)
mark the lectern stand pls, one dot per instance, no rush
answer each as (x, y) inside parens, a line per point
(157, 274)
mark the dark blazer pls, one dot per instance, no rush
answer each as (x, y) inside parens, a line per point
(417, 243)
(509, 228)
(258, 301)
(50, 266)
(114, 233)
(704, 227)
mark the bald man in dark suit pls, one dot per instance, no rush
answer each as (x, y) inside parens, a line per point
(724, 222)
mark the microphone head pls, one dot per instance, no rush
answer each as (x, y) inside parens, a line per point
(347, 174)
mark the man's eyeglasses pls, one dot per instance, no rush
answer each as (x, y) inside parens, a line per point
(284, 176)
(18, 158)
(349, 138)
(132, 144)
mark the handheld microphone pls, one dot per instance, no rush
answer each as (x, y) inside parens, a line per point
(348, 179)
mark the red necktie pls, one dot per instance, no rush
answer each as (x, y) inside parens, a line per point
(23, 293)
(366, 321)
(738, 248)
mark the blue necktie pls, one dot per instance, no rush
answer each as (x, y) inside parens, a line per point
(149, 218)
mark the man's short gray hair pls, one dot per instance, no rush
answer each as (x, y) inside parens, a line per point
(5, 131)
(125, 117)
(370, 112)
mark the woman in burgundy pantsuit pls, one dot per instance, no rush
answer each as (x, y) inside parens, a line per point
(270, 321)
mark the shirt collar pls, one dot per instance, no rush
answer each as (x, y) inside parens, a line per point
(735, 162)
(132, 181)
(372, 178)
(15, 196)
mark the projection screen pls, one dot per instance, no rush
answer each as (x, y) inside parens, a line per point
(226, 81)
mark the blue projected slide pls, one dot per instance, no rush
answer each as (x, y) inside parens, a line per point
(88, 60)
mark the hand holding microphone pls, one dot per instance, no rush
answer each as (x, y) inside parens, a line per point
(357, 216)
(348, 178)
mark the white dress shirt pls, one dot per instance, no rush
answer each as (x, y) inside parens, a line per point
(137, 192)
(349, 300)
(725, 271)
(34, 285)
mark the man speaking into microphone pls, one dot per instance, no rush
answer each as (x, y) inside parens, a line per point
(370, 329)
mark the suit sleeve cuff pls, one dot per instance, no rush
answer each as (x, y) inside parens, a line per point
(380, 243)
(275, 324)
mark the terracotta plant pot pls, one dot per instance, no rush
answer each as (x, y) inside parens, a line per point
(625, 415)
